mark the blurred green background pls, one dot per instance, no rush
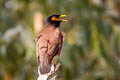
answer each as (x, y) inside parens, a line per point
(91, 49)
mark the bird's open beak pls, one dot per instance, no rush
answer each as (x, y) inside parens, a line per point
(63, 20)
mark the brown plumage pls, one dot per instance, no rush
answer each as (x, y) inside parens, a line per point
(49, 43)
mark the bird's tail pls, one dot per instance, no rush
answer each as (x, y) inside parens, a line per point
(44, 65)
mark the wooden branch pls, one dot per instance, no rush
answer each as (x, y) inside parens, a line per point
(53, 71)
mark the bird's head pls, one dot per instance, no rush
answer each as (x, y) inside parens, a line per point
(55, 19)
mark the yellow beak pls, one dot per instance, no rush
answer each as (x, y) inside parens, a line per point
(63, 20)
(62, 15)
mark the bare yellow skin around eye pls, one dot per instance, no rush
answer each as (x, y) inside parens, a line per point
(54, 19)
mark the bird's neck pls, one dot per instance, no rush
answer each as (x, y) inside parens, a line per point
(55, 24)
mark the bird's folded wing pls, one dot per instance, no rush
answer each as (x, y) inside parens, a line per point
(46, 47)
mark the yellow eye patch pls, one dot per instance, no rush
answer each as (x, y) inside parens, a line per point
(54, 19)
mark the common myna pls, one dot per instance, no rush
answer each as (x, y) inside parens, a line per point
(49, 42)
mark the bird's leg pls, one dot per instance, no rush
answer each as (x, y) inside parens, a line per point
(53, 62)
(56, 68)
(54, 65)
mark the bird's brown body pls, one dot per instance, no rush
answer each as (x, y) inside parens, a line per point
(49, 44)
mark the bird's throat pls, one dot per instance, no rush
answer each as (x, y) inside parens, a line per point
(56, 24)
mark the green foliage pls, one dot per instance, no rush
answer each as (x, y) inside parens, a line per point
(91, 49)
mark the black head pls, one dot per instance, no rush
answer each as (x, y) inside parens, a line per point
(55, 19)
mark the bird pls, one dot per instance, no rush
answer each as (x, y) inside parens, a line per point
(49, 42)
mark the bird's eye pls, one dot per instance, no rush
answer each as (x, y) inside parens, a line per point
(54, 19)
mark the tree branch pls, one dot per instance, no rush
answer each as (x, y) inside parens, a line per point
(53, 71)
